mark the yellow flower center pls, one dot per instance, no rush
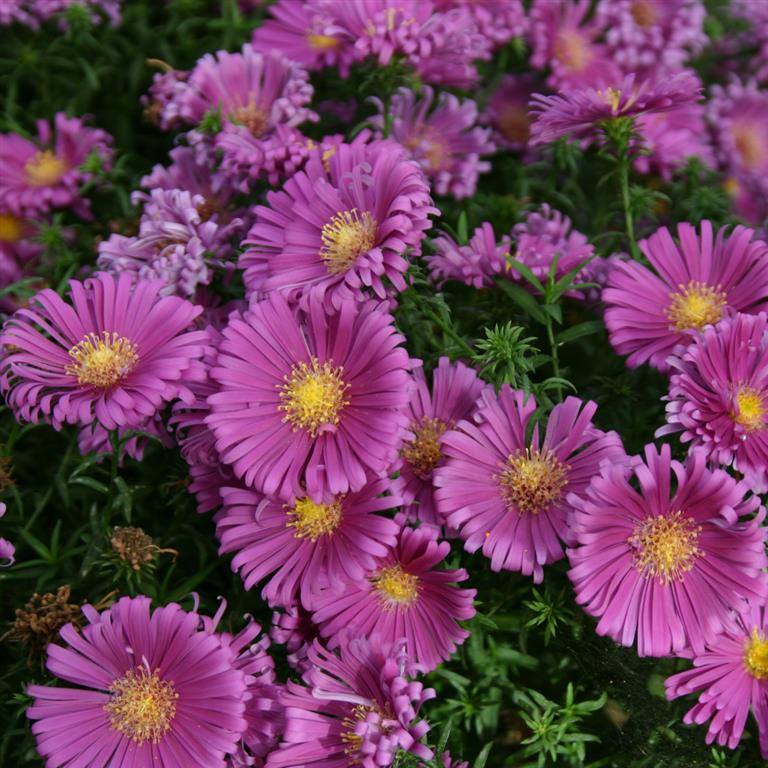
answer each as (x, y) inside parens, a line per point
(531, 481)
(611, 96)
(750, 145)
(644, 13)
(313, 395)
(11, 228)
(695, 306)
(436, 155)
(514, 124)
(396, 586)
(573, 51)
(424, 451)
(311, 520)
(756, 656)
(345, 237)
(142, 706)
(44, 168)
(102, 361)
(251, 117)
(752, 408)
(322, 42)
(665, 547)
(326, 158)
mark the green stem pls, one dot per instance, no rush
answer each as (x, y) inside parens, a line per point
(448, 330)
(628, 220)
(555, 356)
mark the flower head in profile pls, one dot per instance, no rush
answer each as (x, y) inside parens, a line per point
(731, 677)
(566, 43)
(405, 595)
(153, 688)
(512, 496)
(475, 264)
(362, 702)
(433, 411)
(718, 395)
(304, 545)
(657, 36)
(579, 112)
(114, 355)
(44, 175)
(665, 560)
(691, 285)
(343, 224)
(310, 404)
(445, 140)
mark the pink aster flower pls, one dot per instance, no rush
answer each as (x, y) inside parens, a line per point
(100, 9)
(455, 388)
(648, 313)
(7, 550)
(566, 43)
(252, 90)
(181, 242)
(652, 35)
(757, 15)
(511, 496)
(497, 20)
(446, 140)
(731, 677)
(310, 404)
(343, 224)
(263, 712)
(403, 596)
(718, 395)
(666, 564)
(18, 251)
(739, 117)
(304, 545)
(507, 111)
(670, 139)
(17, 12)
(544, 235)
(356, 709)
(44, 175)
(126, 657)
(579, 113)
(114, 355)
(475, 264)
(306, 32)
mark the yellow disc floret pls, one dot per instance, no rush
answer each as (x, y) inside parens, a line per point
(695, 306)
(345, 237)
(142, 706)
(756, 655)
(313, 396)
(532, 480)
(102, 361)
(665, 547)
(751, 408)
(11, 228)
(44, 168)
(396, 586)
(424, 451)
(311, 520)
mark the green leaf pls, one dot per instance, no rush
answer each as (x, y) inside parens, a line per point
(482, 758)
(525, 271)
(89, 482)
(579, 330)
(523, 299)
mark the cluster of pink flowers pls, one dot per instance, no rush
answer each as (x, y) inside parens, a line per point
(338, 470)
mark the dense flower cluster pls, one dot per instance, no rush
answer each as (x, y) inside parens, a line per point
(298, 306)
